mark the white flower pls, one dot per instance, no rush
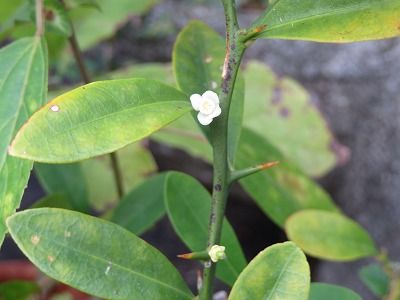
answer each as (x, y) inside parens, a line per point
(207, 105)
(217, 253)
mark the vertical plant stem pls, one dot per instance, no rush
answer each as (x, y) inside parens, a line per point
(77, 53)
(219, 141)
(39, 17)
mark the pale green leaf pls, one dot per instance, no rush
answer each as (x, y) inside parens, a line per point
(329, 235)
(95, 256)
(279, 272)
(98, 118)
(188, 207)
(329, 21)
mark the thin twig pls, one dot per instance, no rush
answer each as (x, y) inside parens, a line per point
(39, 17)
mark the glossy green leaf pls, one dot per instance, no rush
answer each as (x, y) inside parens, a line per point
(329, 21)
(323, 291)
(279, 272)
(135, 163)
(95, 256)
(54, 201)
(98, 118)
(329, 235)
(198, 57)
(23, 87)
(141, 207)
(95, 25)
(188, 206)
(281, 190)
(282, 111)
(67, 180)
(375, 278)
(18, 290)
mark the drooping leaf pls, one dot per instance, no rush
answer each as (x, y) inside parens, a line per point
(98, 118)
(279, 272)
(135, 163)
(67, 180)
(142, 207)
(23, 87)
(282, 190)
(283, 112)
(95, 256)
(375, 279)
(329, 21)
(329, 235)
(188, 207)
(323, 291)
(198, 57)
(18, 290)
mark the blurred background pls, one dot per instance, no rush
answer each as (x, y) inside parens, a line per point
(356, 87)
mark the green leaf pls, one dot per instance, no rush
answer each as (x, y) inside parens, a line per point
(279, 272)
(282, 111)
(18, 290)
(23, 87)
(374, 277)
(329, 21)
(329, 235)
(188, 206)
(198, 57)
(319, 291)
(67, 180)
(55, 201)
(282, 190)
(142, 207)
(98, 118)
(95, 256)
(95, 25)
(58, 19)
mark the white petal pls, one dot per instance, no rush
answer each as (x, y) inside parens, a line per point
(204, 119)
(212, 96)
(196, 100)
(216, 112)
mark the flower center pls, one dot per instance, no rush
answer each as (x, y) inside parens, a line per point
(207, 107)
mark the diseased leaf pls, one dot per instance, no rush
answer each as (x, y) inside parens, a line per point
(98, 118)
(188, 206)
(325, 291)
(329, 235)
(23, 88)
(329, 21)
(67, 180)
(279, 272)
(198, 57)
(95, 256)
(283, 112)
(141, 207)
(281, 190)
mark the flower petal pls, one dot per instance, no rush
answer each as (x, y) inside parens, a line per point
(204, 119)
(216, 112)
(212, 96)
(196, 99)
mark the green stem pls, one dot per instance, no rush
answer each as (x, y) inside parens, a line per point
(77, 53)
(219, 134)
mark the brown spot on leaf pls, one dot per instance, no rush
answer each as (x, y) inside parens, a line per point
(35, 239)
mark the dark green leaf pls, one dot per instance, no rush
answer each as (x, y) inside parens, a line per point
(23, 88)
(329, 21)
(67, 180)
(141, 207)
(282, 190)
(198, 57)
(95, 256)
(188, 206)
(54, 201)
(329, 235)
(98, 118)
(323, 291)
(18, 290)
(279, 272)
(375, 279)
